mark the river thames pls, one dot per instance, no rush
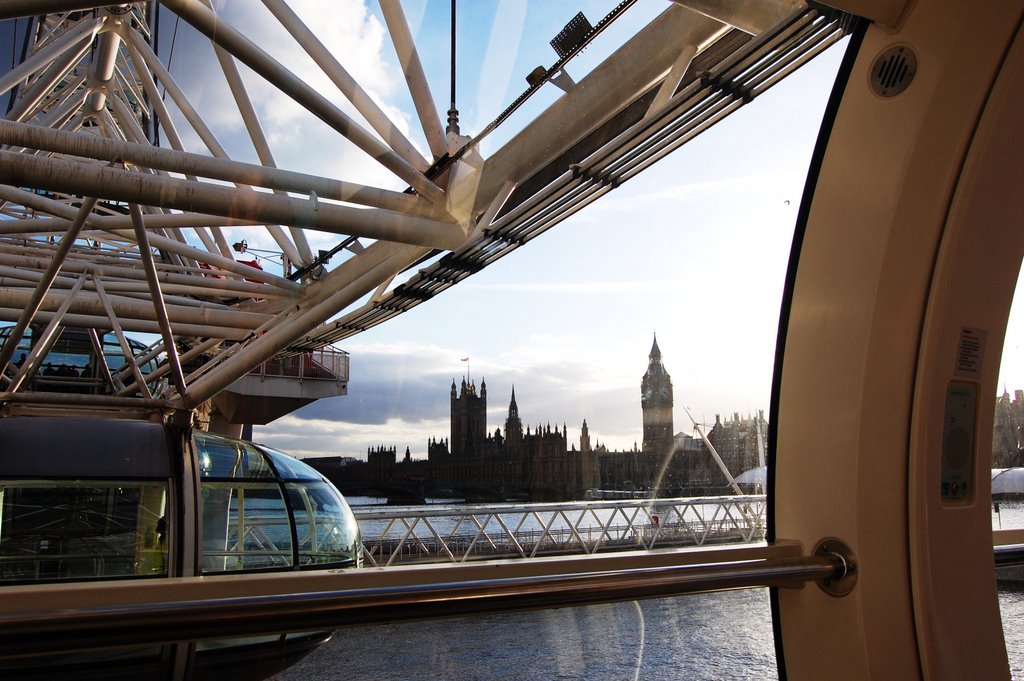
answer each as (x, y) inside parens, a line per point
(709, 636)
(716, 636)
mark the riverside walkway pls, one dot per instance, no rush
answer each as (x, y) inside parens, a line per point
(460, 533)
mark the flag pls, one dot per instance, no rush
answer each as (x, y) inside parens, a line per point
(465, 359)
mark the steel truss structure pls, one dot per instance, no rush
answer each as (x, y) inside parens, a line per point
(111, 221)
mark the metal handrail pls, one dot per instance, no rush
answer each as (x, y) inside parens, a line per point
(1009, 555)
(162, 611)
(322, 364)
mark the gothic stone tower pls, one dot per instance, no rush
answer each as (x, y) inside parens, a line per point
(469, 418)
(656, 401)
(513, 426)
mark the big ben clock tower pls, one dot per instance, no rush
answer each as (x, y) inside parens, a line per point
(656, 401)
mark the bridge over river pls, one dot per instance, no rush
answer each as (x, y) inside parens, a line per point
(460, 533)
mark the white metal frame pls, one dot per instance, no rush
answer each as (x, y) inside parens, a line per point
(458, 534)
(146, 229)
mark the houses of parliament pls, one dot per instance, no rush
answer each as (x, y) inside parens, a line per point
(540, 464)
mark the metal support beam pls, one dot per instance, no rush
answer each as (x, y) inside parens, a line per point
(148, 156)
(632, 70)
(259, 61)
(302, 320)
(159, 372)
(296, 250)
(101, 71)
(170, 349)
(12, 9)
(363, 103)
(66, 177)
(73, 39)
(672, 80)
(11, 314)
(43, 86)
(198, 283)
(415, 77)
(90, 304)
(97, 347)
(145, 60)
(126, 350)
(750, 17)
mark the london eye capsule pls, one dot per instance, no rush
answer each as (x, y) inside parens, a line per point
(91, 499)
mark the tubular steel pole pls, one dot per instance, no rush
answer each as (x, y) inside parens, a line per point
(158, 299)
(83, 33)
(46, 339)
(126, 350)
(165, 192)
(416, 79)
(297, 249)
(34, 137)
(301, 321)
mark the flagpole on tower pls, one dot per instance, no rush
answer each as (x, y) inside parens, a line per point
(466, 360)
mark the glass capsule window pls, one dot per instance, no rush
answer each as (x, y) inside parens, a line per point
(77, 530)
(262, 509)
(72, 364)
(324, 525)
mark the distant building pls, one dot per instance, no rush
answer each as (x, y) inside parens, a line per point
(656, 404)
(531, 465)
(1008, 431)
(538, 464)
(670, 463)
(740, 442)
(381, 463)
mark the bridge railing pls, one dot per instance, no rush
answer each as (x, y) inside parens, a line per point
(460, 533)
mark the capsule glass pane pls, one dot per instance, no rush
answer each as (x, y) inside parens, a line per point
(325, 527)
(75, 530)
(245, 527)
(290, 468)
(228, 459)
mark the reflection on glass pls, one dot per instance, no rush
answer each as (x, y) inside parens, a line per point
(707, 636)
(249, 525)
(325, 526)
(245, 527)
(223, 458)
(73, 530)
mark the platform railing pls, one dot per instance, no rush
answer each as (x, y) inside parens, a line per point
(324, 364)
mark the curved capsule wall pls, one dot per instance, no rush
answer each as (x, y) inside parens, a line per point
(262, 509)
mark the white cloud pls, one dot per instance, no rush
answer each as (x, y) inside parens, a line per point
(575, 287)
(325, 437)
